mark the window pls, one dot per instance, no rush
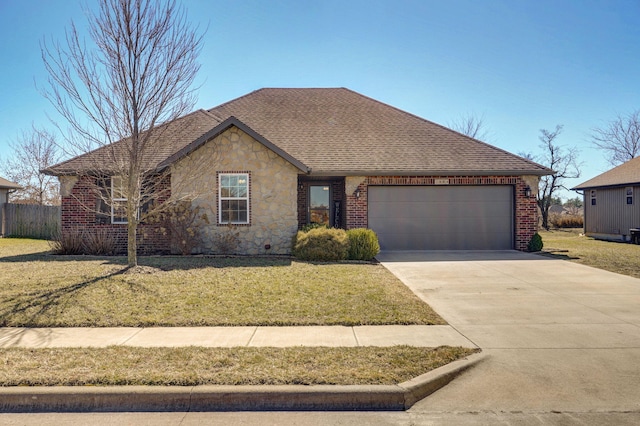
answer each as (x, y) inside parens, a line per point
(593, 197)
(233, 198)
(118, 200)
(319, 208)
(629, 192)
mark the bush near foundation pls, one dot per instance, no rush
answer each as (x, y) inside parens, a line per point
(535, 244)
(321, 244)
(363, 244)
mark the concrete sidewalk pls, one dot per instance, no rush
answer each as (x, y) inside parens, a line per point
(334, 336)
(232, 398)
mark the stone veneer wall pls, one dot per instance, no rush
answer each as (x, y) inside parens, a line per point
(79, 214)
(272, 187)
(526, 210)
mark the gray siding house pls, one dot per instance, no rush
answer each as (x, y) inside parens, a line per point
(612, 202)
(5, 188)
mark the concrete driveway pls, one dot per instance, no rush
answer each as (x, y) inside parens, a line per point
(561, 337)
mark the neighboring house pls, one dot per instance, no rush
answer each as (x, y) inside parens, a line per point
(612, 202)
(282, 158)
(6, 187)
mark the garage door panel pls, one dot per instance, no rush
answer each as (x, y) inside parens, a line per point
(442, 218)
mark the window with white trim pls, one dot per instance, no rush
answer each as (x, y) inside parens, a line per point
(118, 200)
(233, 198)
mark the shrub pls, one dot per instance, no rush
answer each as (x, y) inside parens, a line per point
(566, 221)
(99, 242)
(363, 244)
(226, 240)
(182, 221)
(69, 242)
(309, 226)
(321, 244)
(535, 244)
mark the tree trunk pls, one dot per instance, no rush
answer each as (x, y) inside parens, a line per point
(132, 248)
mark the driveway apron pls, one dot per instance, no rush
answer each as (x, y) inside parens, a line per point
(560, 336)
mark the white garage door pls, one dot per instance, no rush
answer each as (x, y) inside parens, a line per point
(442, 217)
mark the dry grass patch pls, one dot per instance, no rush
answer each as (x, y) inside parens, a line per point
(622, 258)
(42, 290)
(219, 366)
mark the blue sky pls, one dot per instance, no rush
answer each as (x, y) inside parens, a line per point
(521, 65)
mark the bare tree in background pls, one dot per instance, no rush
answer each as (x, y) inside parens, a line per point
(34, 150)
(471, 125)
(620, 138)
(138, 74)
(563, 161)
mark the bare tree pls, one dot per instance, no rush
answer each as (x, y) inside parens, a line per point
(620, 138)
(470, 125)
(563, 161)
(138, 74)
(33, 151)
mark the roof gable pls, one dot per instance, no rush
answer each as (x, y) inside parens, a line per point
(625, 174)
(338, 131)
(219, 129)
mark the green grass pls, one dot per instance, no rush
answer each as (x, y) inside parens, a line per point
(218, 366)
(622, 258)
(42, 290)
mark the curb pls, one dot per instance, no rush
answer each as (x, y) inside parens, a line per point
(232, 398)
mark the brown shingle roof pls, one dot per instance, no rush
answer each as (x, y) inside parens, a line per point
(337, 131)
(7, 184)
(625, 174)
(169, 138)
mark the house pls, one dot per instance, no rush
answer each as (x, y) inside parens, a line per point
(278, 159)
(611, 202)
(6, 187)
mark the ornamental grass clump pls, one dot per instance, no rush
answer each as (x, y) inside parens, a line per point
(67, 243)
(363, 244)
(321, 244)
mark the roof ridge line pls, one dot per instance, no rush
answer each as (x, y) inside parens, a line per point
(445, 128)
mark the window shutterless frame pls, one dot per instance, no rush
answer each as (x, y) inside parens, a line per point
(233, 198)
(118, 201)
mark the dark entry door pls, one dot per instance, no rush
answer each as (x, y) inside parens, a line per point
(320, 204)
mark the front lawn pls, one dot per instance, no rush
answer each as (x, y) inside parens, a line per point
(42, 290)
(623, 258)
(193, 366)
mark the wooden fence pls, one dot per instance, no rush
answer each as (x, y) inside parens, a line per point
(30, 221)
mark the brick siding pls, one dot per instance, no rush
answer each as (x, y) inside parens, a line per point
(79, 212)
(526, 211)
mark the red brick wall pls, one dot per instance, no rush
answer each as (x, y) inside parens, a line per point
(79, 213)
(526, 211)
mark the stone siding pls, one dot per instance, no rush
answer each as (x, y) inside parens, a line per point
(273, 218)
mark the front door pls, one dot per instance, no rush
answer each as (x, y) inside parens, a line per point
(320, 204)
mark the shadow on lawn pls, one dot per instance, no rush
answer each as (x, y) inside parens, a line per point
(42, 301)
(165, 263)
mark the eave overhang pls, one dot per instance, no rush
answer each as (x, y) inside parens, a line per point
(221, 128)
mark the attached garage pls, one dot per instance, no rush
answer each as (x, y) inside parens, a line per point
(442, 217)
